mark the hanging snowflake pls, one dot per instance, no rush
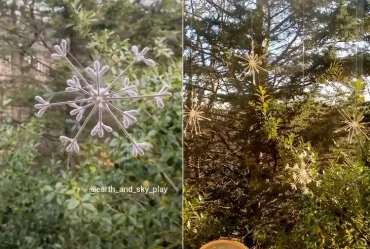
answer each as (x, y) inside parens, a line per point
(194, 115)
(100, 100)
(354, 125)
(252, 64)
(303, 172)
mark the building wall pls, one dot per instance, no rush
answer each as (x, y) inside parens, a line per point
(19, 70)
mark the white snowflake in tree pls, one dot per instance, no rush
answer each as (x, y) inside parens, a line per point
(303, 172)
(99, 99)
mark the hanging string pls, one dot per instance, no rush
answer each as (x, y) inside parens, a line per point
(356, 59)
(303, 43)
(356, 47)
(252, 52)
(359, 22)
(191, 55)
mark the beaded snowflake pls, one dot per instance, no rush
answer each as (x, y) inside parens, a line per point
(99, 99)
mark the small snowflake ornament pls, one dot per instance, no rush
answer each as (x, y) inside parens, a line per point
(354, 125)
(100, 100)
(303, 172)
(252, 64)
(194, 115)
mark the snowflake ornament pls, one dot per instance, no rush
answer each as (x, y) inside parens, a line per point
(302, 171)
(354, 125)
(252, 64)
(100, 100)
(194, 115)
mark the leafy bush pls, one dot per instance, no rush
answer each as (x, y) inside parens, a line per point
(44, 197)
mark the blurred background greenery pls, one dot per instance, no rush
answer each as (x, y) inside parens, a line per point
(44, 199)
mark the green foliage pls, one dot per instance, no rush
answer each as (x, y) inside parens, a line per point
(47, 206)
(141, 24)
(274, 160)
(199, 224)
(45, 200)
(263, 99)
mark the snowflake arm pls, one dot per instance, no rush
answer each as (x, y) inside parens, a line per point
(137, 148)
(75, 86)
(128, 116)
(47, 104)
(157, 96)
(100, 126)
(73, 146)
(142, 96)
(97, 73)
(128, 89)
(61, 53)
(139, 57)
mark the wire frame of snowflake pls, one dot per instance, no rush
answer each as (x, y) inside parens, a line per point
(100, 100)
(303, 172)
(194, 115)
(252, 64)
(354, 125)
(301, 175)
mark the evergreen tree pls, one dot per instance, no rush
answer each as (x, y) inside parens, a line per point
(282, 157)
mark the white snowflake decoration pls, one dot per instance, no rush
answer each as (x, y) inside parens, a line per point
(101, 100)
(302, 171)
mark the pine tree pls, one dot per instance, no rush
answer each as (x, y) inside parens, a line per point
(280, 158)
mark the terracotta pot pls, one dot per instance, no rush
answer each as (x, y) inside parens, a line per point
(224, 244)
